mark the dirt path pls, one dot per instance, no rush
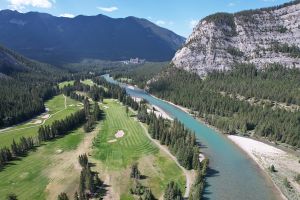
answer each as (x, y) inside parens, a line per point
(189, 174)
(65, 175)
(6, 130)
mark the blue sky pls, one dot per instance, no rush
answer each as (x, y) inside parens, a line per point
(177, 15)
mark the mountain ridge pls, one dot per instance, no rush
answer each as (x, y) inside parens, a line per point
(57, 40)
(260, 37)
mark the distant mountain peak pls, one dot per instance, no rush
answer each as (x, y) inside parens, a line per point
(86, 37)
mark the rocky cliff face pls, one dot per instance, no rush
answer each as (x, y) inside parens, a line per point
(270, 35)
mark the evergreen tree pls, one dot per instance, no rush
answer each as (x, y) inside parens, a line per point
(12, 196)
(148, 195)
(135, 173)
(83, 160)
(63, 196)
(173, 192)
(76, 196)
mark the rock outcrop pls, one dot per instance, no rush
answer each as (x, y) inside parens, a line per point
(261, 37)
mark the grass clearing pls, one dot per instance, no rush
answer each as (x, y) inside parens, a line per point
(28, 177)
(88, 82)
(65, 83)
(57, 111)
(116, 158)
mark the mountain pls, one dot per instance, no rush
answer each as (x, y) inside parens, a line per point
(62, 40)
(24, 84)
(263, 36)
(15, 65)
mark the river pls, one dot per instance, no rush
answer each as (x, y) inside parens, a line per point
(232, 175)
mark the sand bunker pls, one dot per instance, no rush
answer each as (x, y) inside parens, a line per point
(37, 122)
(46, 116)
(112, 141)
(59, 151)
(119, 134)
(71, 105)
(105, 107)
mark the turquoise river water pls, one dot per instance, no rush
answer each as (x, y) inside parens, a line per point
(232, 175)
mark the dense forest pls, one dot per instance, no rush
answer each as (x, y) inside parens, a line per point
(275, 83)
(231, 114)
(24, 86)
(138, 74)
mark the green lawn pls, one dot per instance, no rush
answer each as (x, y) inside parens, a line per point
(65, 83)
(127, 149)
(57, 111)
(88, 82)
(135, 146)
(27, 177)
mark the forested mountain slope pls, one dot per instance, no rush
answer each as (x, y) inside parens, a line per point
(230, 114)
(245, 73)
(24, 85)
(260, 37)
(68, 40)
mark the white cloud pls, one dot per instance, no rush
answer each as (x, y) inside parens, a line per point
(68, 15)
(164, 23)
(21, 4)
(193, 23)
(108, 9)
(231, 4)
(160, 22)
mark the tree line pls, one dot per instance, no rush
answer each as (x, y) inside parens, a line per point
(232, 115)
(21, 101)
(25, 85)
(181, 141)
(58, 128)
(173, 191)
(62, 127)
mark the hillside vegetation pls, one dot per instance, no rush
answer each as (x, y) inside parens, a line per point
(230, 114)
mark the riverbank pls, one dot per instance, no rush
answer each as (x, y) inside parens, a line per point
(286, 165)
(264, 155)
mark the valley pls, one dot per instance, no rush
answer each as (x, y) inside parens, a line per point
(54, 166)
(106, 101)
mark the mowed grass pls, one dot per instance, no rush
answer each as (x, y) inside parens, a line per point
(135, 146)
(27, 177)
(57, 111)
(88, 82)
(65, 83)
(127, 149)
